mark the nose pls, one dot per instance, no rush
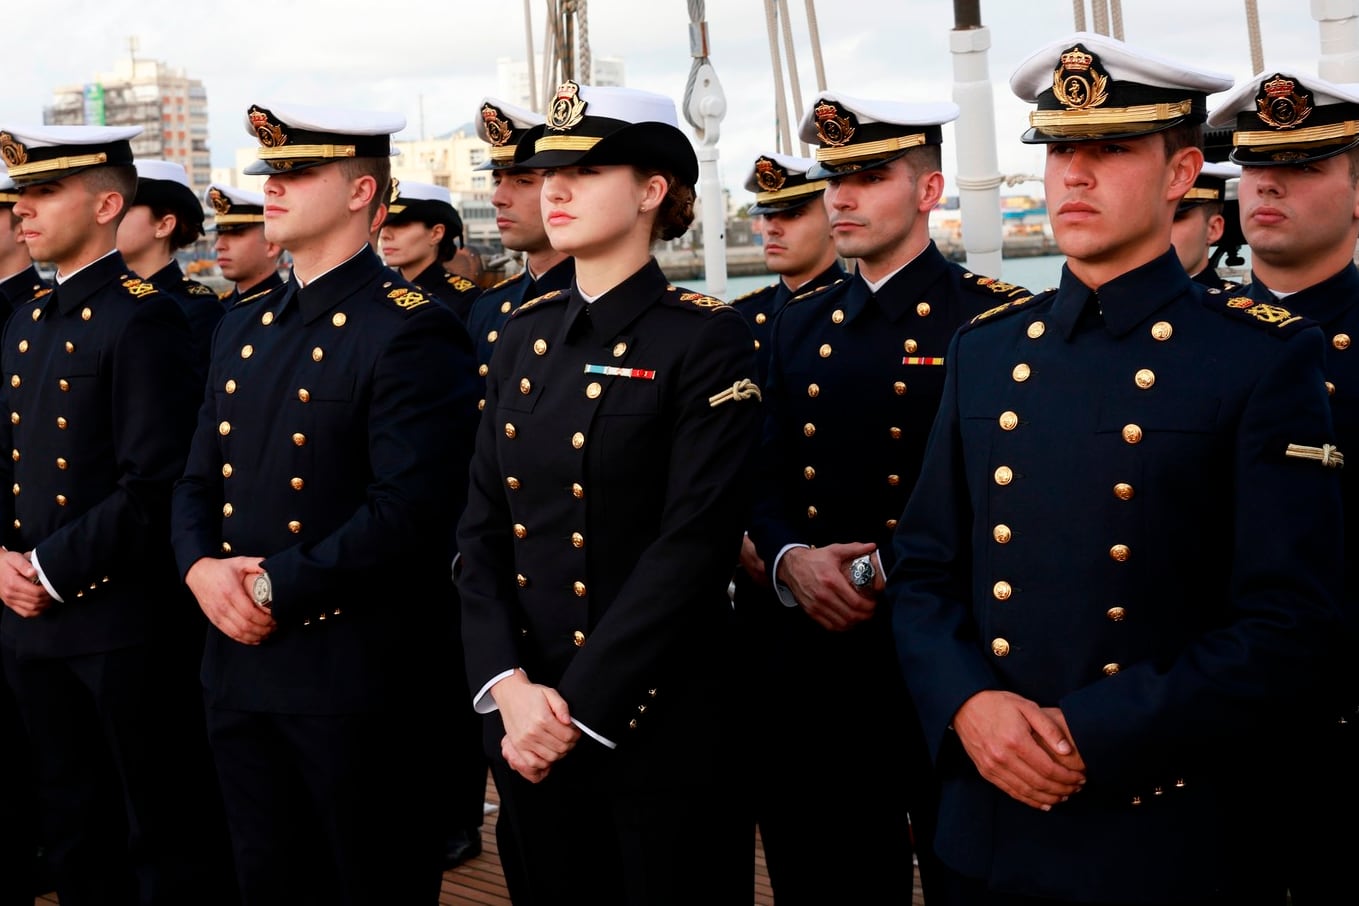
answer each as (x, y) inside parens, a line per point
(554, 187)
(273, 187)
(1262, 180)
(219, 245)
(839, 197)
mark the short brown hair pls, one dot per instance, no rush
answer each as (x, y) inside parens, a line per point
(119, 178)
(1185, 135)
(380, 168)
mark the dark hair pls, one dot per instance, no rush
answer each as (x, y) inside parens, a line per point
(380, 168)
(924, 159)
(185, 231)
(676, 212)
(1185, 135)
(1352, 155)
(120, 178)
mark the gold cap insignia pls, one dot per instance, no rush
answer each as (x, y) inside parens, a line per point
(394, 192)
(769, 175)
(13, 152)
(498, 129)
(834, 128)
(267, 129)
(567, 108)
(1079, 81)
(220, 203)
(1282, 103)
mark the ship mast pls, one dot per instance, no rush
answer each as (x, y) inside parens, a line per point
(979, 176)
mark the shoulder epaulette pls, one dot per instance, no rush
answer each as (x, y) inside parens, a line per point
(224, 295)
(753, 293)
(198, 289)
(40, 293)
(1266, 315)
(997, 287)
(461, 284)
(701, 300)
(253, 296)
(536, 301)
(1008, 308)
(508, 280)
(137, 287)
(813, 292)
(406, 299)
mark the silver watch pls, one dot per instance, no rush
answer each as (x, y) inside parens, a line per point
(262, 591)
(861, 571)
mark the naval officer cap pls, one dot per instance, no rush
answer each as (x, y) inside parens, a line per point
(590, 125)
(234, 209)
(780, 184)
(503, 126)
(39, 154)
(297, 136)
(425, 203)
(1284, 119)
(164, 185)
(9, 192)
(1090, 86)
(853, 134)
(1216, 182)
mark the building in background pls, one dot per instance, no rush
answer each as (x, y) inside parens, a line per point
(513, 77)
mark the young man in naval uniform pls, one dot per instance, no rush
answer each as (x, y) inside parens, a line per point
(1296, 142)
(1119, 570)
(519, 218)
(244, 255)
(1200, 221)
(93, 632)
(422, 229)
(20, 281)
(314, 525)
(855, 373)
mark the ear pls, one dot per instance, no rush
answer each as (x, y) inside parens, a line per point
(1216, 225)
(1183, 167)
(929, 190)
(108, 206)
(436, 233)
(654, 191)
(165, 226)
(362, 190)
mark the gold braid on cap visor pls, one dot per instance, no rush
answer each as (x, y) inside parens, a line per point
(870, 149)
(1079, 122)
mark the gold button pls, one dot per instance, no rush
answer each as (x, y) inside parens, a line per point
(761, 318)
(505, 307)
(578, 588)
(1162, 330)
(513, 483)
(577, 491)
(1004, 475)
(632, 724)
(1123, 491)
(230, 387)
(838, 316)
(227, 509)
(86, 314)
(14, 381)
(226, 548)
(14, 418)
(1000, 647)
(577, 540)
(540, 347)
(317, 353)
(62, 462)
(813, 390)
(809, 473)
(16, 489)
(1330, 389)
(1341, 341)
(18, 524)
(593, 390)
(493, 336)
(520, 531)
(37, 313)
(1117, 614)
(825, 351)
(1137, 800)
(577, 440)
(1132, 434)
(61, 500)
(297, 484)
(1009, 421)
(1036, 330)
(522, 580)
(226, 470)
(811, 512)
(578, 637)
(1021, 372)
(483, 370)
(61, 422)
(809, 429)
(757, 344)
(304, 394)
(525, 386)
(619, 349)
(338, 319)
(899, 388)
(299, 440)
(1111, 669)
(481, 404)
(1002, 533)
(893, 480)
(267, 318)
(70, 347)
(911, 346)
(891, 524)
(923, 309)
(64, 384)
(1002, 590)
(23, 346)
(247, 351)
(294, 526)
(509, 430)
(1120, 552)
(14, 455)
(895, 433)
(1145, 378)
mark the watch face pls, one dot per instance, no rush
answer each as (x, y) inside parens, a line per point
(263, 589)
(861, 572)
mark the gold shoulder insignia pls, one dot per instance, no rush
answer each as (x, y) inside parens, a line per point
(1007, 306)
(1274, 315)
(407, 298)
(40, 293)
(138, 288)
(813, 292)
(508, 280)
(224, 295)
(253, 296)
(461, 284)
(535, 301)
(991, 284)
(198, 289)
(701, 300)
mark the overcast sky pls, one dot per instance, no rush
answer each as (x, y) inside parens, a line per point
(433, 60)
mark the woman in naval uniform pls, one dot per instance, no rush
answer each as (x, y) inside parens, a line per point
(607, 500)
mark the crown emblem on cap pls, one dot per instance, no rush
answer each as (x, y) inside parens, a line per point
(834, 128)
(498, 129)
(394, 192)
(220, 203)
(1283, 103)
(1079, 81)
(13, 152)
(267, 128)
(769, 175)
(567, 108)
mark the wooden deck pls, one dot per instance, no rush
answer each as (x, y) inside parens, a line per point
(480, 882)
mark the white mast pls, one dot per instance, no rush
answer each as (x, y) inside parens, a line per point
(1338, 21)
(979, 176)
(704, 107)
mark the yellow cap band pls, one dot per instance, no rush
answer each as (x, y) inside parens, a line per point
(806, 188)
(869, 149)
(1334, 132)
(566, 143)
(306, 152)
(58, 163)
(1076, 122)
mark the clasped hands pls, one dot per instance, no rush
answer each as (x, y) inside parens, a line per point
(538, 728)
(222, 588)
(1025, 750)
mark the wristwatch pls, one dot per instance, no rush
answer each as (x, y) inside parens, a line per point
(263, 592)
(861, 571)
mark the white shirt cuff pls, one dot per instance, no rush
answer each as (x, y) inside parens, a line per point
(785, 594)
(482, 703)
(43, 579)
(593, 735)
